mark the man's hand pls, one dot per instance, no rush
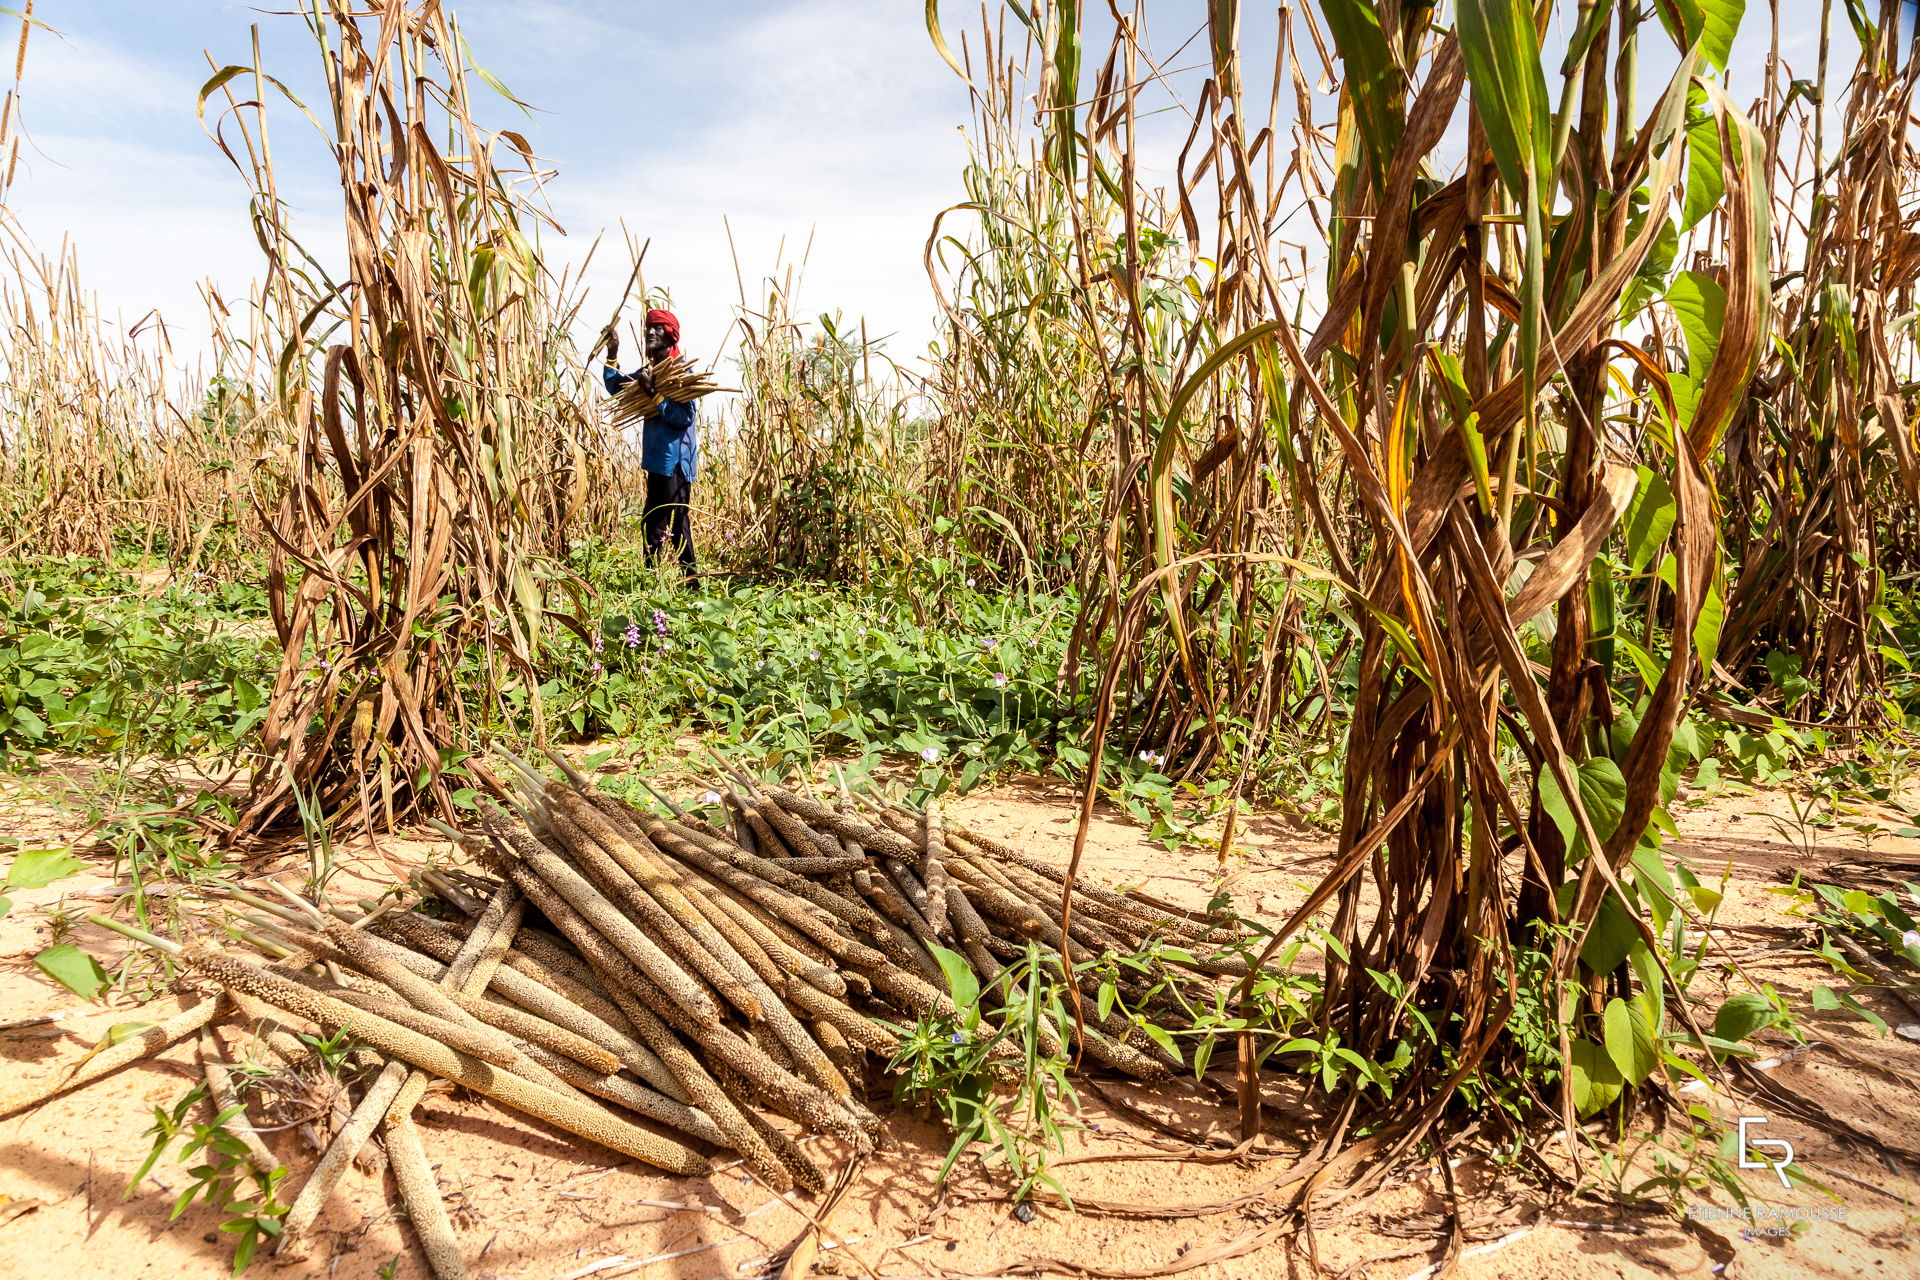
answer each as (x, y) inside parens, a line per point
(613, 345)
(643, 378)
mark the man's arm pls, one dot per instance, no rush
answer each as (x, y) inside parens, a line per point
(618, 381)
(677, 414)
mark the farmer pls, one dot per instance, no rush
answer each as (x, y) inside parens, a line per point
(666, 443)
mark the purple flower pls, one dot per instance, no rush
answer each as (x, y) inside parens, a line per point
(632, 635)
(999, 679)
(1911, 938)
(660, 621)
(597, 667)
(930, 755)
(599, 642)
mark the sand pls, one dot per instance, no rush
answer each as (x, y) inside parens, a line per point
(531, 1203)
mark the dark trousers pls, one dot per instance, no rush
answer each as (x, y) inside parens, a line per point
(665, 518)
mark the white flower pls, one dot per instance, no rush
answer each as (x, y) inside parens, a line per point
(710, 797)
(813, 655)
(1911, 938)
(930, 755)
(969, 582)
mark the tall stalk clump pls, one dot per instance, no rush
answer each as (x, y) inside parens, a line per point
(1469, 444)
(441, 435)
(1822, 472)
(1019, 369)
(820, 466)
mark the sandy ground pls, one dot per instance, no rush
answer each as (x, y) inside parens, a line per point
(531, 1203)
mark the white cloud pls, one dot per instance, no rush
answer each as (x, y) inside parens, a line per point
(824, 120)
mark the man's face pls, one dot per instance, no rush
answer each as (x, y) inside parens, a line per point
(658, 339)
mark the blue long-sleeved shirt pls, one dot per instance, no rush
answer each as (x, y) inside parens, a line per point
(666, 440)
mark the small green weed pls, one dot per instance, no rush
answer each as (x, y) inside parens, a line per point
(222, 1179)
(1017, 1108)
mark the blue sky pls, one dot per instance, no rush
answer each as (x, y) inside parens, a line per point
(824, 127)
(825, 120)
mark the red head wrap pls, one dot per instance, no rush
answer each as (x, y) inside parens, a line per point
(671, 323)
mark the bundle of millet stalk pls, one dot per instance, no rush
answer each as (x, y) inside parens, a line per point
(703, 979)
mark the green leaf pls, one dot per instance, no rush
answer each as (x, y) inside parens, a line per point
(1165, 1041)
(1372, 83)
(1700, 306)
(1706, 631)
(1630, 1040)
(73, 969)
(1720, 23)
(38, 868)
(1596, 1080)
(1784, 670)
(1502, 51)
(1742, 1015)
(1706, 181)
(1649, 519)
(961, 982)
(1611, 938)
(27, 724)
(1603, 793)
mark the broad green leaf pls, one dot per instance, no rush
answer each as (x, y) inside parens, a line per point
(1603, 793)
(1720, 23)
(1706, 182)
(961, 982)
(1742, 1015)
(1700, 305)
(1649, 519)
(38, 868)
(27, 724)
(1706, 630)
(1630, 1040)
(1596, 1080)
(1611, 938)
(1712, 24)
(73, 969)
